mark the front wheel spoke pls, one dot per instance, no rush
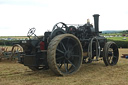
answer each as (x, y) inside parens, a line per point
(109, 60)
(114, 61)
(71, 63)
(109, 57)
(110, 53)
(60, 51)
(115, 49)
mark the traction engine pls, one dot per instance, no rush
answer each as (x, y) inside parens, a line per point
(66, 47)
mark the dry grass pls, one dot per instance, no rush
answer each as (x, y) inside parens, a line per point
(96, 73)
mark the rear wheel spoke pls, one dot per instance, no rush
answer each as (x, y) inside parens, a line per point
(75, 55)
(67, 65)
(71, 63)
(74, 46)
(60, 64)
(63, 46)
(61, 57)
(60, 51)
(115, 49)
(68, 44)
(66, 69)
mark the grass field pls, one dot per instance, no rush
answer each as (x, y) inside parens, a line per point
(13, 37)
(118, 38)
(96, 73)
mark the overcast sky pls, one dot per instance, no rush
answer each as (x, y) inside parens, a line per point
(17, 16)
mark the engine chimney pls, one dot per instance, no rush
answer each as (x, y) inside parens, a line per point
(96, 23)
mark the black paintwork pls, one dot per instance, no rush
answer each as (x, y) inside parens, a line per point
(33, 56)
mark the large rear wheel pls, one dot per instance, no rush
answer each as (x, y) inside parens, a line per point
(64, 54)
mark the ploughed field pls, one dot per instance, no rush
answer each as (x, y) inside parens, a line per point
(95, 73)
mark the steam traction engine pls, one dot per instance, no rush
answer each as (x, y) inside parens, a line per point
(66, 47)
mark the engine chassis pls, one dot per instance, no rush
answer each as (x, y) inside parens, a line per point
(38, 54)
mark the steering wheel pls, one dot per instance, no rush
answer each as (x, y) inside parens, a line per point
(31, 32)
(60, 25)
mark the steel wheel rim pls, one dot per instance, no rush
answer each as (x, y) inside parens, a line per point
(112, 54)
(68, 55)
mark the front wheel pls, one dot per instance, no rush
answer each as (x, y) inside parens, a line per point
(111, 54)
(64, 54)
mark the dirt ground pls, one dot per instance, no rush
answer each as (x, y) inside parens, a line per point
(96, 73)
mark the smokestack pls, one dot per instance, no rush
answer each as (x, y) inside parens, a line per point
(96, 23)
